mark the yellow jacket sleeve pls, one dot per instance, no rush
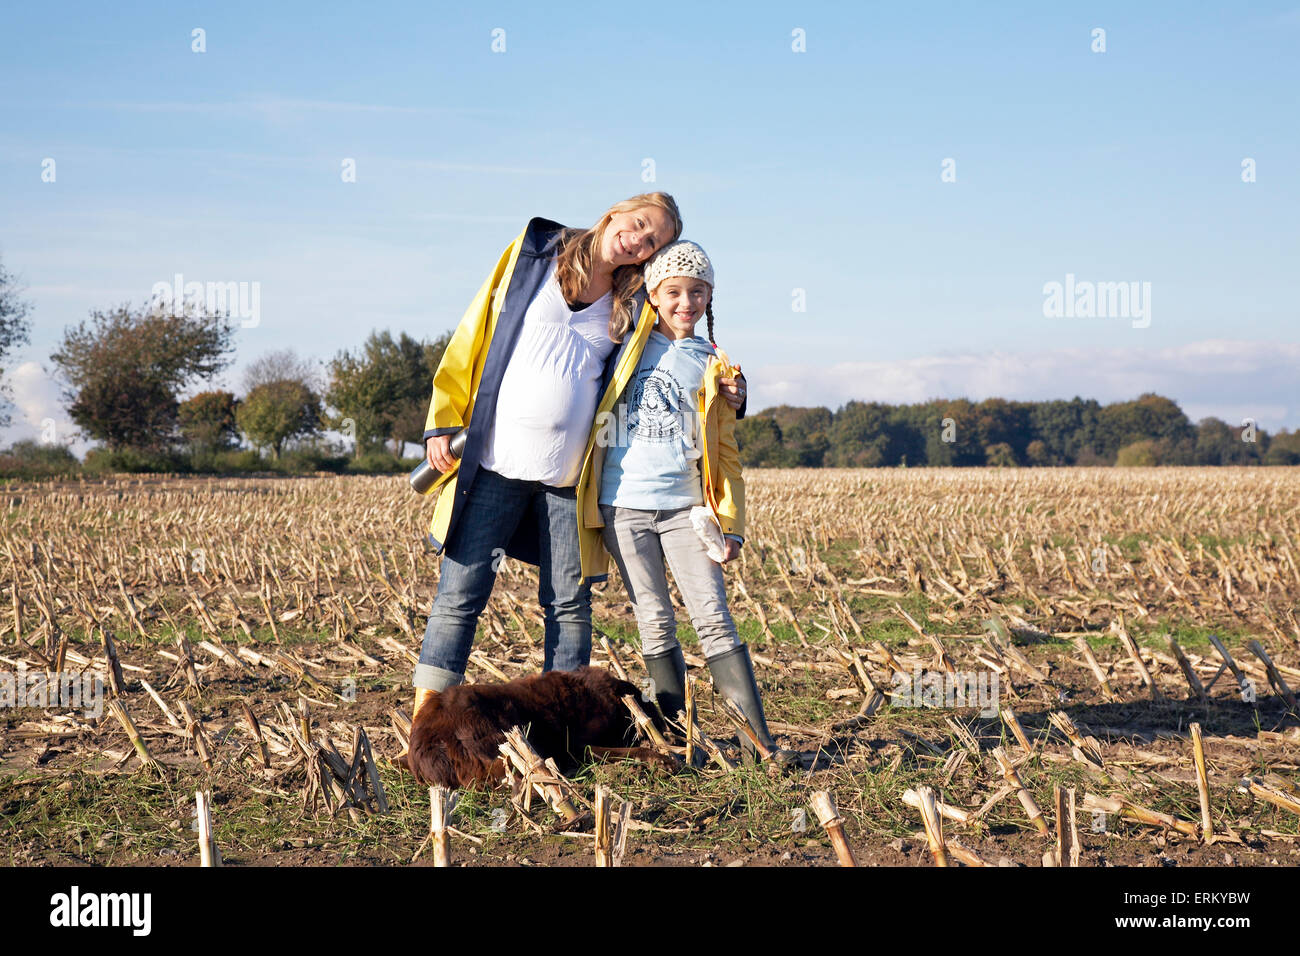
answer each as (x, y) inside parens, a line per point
(730, 489)
(454, 382)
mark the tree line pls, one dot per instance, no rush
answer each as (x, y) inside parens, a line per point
(1149, 430)
(135, 381)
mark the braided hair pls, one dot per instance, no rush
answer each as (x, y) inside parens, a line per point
(708, 313)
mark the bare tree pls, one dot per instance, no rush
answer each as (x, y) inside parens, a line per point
(284, 365)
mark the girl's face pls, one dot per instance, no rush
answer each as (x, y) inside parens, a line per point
(680, 303)
(633, 237)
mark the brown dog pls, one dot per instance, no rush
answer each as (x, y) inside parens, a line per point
(456, 735)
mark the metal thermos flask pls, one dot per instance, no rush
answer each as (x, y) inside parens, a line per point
(425, 475)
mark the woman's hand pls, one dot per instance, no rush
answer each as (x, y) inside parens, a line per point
(438, 452)
(733, 389)
(733, 549)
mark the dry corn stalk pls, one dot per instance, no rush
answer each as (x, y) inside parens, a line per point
(998, 637)
(646, 725)
(933, 828)
(1189, 673)
(687, 718)
(442, 801)
(823, 805)
(162, 704)
(732, 710)
(1084, 648)
(116, 681)
(963, 736)
(209, 855)
(1086, 750)
(913, 799)
(256, 730)
(1274, 677)
(1229, 662)
(1130, 645)
(1271, 792)
(1202, 783)
(195, 730)
(614, 662)
(372, 772)
(1067, 834)
(611, 829)
(964, 854)
(187, 662)
(708, 743)
(552, 787)
(1132, 811)
(1011, 720)
(1026, 800)
(118, 710)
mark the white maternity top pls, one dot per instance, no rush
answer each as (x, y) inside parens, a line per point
(548, 395)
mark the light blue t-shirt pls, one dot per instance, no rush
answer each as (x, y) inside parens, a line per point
(653, 441)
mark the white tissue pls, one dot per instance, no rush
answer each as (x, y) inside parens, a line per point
(706, 526)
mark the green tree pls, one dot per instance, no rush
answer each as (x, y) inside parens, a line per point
(759, 440)
(1067, 429)
(1218, 443)
(1000, 455)
(952, 433)
(275, 412)
(124, 369)
(862, 436)
(804, 433)
(1284, 448)
(999, 422)
(384, 389)
(1149, 416)
(1139, 454)
(15, 330)
(207, 420)
(410, 419)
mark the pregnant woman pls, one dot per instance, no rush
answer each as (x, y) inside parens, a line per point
(525, 370)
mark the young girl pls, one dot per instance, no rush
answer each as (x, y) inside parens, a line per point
(673, 448)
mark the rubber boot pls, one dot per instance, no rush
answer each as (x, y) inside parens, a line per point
(667, 672)
(668, 679)
(733, 674)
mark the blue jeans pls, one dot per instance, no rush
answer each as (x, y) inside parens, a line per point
(475, 549)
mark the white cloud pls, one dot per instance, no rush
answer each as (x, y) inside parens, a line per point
(1230, 379)
(37, 411)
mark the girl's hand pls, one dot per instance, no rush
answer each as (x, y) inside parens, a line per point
(733, 389)
(438, 452)
(733, 549)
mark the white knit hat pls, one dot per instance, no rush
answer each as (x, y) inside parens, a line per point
(681, 258)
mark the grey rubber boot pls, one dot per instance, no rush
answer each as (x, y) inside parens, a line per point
(668, 672)
(668, 680)
(733, 674)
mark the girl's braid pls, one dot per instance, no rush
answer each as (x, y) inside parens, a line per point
(708, 312)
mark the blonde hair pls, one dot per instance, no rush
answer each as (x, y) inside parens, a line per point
(576, 249)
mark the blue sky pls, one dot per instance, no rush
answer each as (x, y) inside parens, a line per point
(817, 171)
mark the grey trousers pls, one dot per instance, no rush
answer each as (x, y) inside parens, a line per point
(641, 542)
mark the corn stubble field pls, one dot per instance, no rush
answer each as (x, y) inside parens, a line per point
(265, 630)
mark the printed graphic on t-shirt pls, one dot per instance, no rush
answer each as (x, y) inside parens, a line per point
(654, 412)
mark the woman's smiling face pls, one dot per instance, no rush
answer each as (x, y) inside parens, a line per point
(633, 237)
